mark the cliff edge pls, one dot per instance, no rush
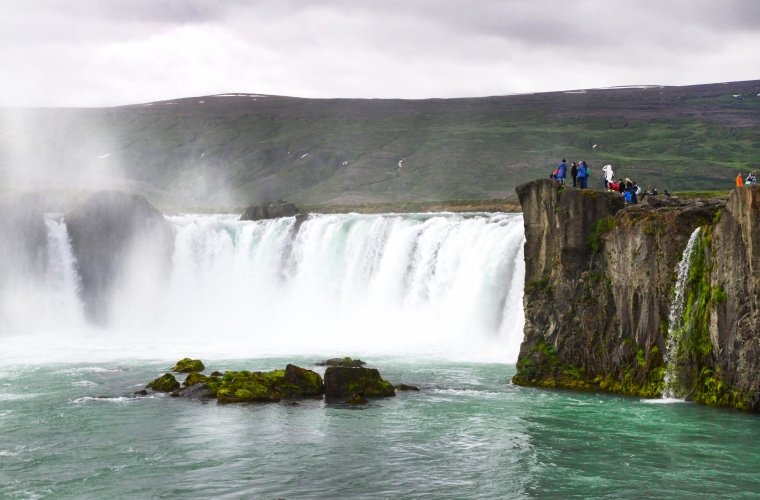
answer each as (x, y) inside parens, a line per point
(599, 288)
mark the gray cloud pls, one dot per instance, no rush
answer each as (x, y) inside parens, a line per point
(89, 53)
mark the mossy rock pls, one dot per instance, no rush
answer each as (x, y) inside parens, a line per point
(341, 382)
(164, 383)
(245, 386)
(300, 382)
(188, 365)
(195, 378)
(344, 362)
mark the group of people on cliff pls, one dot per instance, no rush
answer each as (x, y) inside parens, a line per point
(628, 188)
(578, 171)
(751, 179)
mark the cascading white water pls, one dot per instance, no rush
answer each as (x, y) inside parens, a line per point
(430, 284)
(40, 304)
(675, 327)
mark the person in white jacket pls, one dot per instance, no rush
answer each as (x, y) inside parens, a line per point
(608, 175)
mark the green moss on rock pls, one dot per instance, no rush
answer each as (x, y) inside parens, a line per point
(343, 382)
(188, 365)
(542, 368)
(164, 383)
(345, 362)
(194, 378)
(245, 386)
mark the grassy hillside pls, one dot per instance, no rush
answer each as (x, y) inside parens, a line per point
(243, 149)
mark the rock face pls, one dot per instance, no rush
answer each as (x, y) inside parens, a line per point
(341, 382)
(111, 231)
(723, 347)
(269, 211)
(598, 286)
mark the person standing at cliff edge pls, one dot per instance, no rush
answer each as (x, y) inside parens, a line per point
(562, 172)
(609, 176)
(574, 174)
(739, 181)
(583, 175)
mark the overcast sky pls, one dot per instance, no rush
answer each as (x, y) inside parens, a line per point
(109, 52)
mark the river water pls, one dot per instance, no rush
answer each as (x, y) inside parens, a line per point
(429, 300)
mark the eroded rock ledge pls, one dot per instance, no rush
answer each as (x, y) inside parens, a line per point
(599, 286)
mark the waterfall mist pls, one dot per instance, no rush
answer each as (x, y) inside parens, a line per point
(436, 285)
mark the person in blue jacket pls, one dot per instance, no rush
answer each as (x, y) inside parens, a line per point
(583, 175)
(562, 172)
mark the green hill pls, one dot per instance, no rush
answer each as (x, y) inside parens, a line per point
(241, 149)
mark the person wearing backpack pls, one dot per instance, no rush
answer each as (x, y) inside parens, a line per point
(583, 172)
(562, 172)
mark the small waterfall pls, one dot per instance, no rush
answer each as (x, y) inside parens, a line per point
(675, 327)
(35, 304)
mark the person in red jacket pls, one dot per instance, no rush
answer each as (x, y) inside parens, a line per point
(739, 181)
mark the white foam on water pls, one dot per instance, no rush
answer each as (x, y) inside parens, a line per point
(663, 401)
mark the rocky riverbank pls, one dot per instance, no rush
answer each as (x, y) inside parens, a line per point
(599, 287)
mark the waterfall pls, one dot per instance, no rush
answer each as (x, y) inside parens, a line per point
(437, 284)
(675, 327)
(34, 304)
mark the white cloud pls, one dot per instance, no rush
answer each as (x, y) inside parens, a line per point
(90, 53)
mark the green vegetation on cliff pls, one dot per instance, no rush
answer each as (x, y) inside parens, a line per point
(707, 383)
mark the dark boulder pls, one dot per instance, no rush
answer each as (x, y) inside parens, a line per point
(341, 382)
(301, 382)
(404, 387)
(109, 231)
(269, 211)
(194, 391)
(164, 383)
(217, 374)
(140, 393)
(187, 365)
(344, 362)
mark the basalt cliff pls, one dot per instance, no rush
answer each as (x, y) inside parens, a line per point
(599, 288)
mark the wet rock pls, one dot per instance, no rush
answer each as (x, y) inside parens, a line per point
(110, 232)
(299, 382)
(164, 383)
(404, 387)
(141, 393)
(245, 386)
(269, 211)
(356, 400)
(344, 362)
(195, 378)
(188, 365)
(217, 374)
(341, 382)
(195, 391)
